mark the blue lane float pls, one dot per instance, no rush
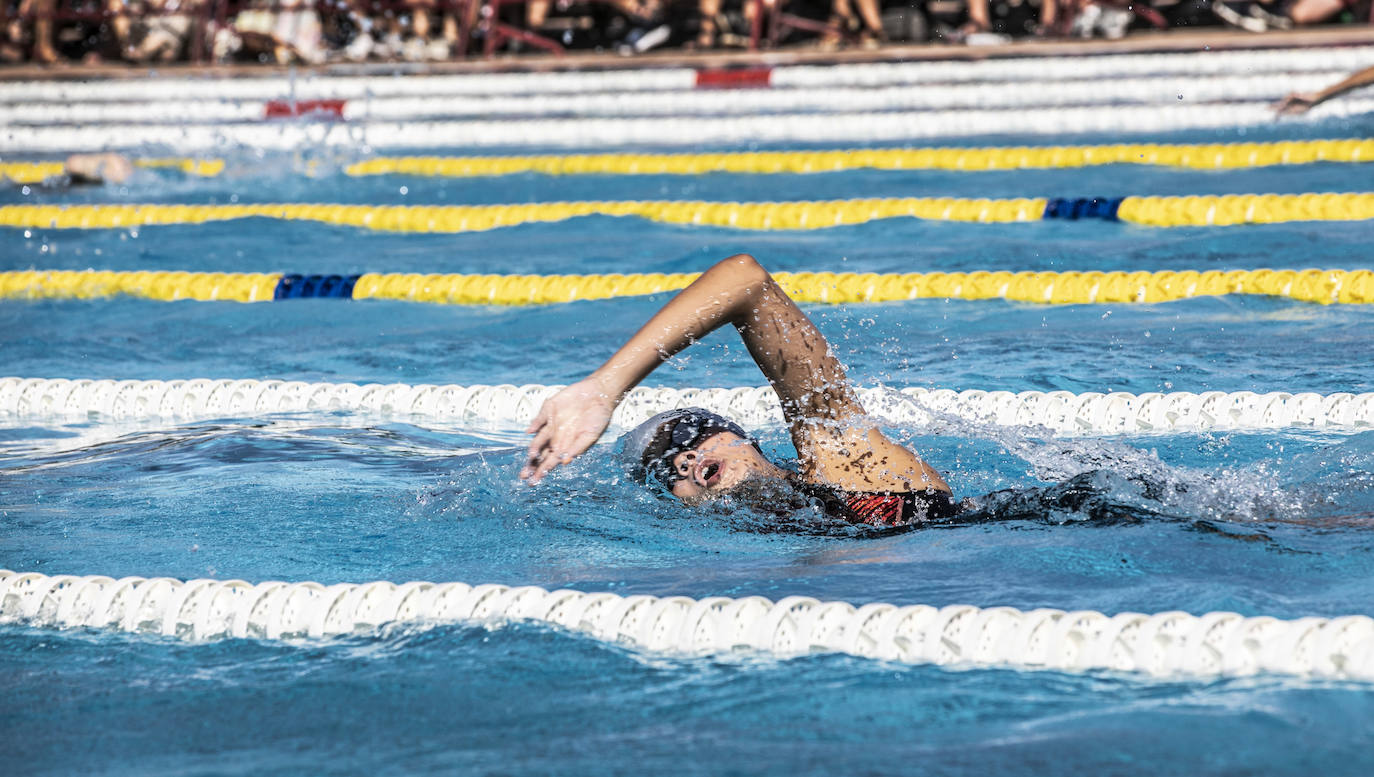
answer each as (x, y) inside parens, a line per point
(297, 286)
(1075, 208)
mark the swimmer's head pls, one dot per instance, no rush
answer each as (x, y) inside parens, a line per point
(693, 454)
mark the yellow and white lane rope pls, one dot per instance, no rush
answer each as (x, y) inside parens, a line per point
(1164, 644)
(1205, 210)
(1199, 65)
(878, 127)
(1153, 90)
(1202, 156)
(1060, 412)
(1047, 287)
(1104, 68)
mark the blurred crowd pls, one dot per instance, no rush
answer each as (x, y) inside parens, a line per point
(319, 31)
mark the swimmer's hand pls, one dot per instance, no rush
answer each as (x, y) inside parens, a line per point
(1295, 104)
(567, 424)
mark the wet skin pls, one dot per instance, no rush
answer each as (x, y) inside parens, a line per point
(721, 462)
(838, 445)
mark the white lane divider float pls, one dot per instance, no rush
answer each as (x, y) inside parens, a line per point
(655, 132)
(1165, 644)
(1062, 412)
(327, 87)
(1101, 67)
(1038, 94)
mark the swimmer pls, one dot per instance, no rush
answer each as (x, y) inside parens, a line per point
(77, 170)
(98, 168)
(845, 463)
(1302, 102)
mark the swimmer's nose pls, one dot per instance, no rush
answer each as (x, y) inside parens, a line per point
(689, 464)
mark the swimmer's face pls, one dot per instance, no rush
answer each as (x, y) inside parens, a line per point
(717, 464)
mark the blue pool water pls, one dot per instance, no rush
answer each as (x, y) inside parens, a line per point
(1276, 523)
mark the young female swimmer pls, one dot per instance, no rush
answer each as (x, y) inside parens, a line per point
(846, 464)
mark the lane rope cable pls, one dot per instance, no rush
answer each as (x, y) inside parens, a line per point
(1206, 210)
(1163, 644)
(1201, 156)
(1067, 287)
(1061, 412)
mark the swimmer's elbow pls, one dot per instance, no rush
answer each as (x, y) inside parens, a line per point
(743, 271)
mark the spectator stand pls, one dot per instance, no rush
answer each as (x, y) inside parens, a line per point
(310, 30)
(497, 32)
(319, 31)
(93, 30)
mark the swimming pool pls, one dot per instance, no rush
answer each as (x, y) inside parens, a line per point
(1259, 522)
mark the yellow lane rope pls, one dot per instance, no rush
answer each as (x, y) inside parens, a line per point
(205, 168)
(38, 172)
(471, 218)
(1207, 156)
(1212, 210)
(1225, 210)
(31, 172)
(159, 285)
(1054, 288)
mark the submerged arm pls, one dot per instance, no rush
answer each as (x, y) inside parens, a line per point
(836, 442)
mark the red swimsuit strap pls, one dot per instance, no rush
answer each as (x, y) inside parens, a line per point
(877, 509)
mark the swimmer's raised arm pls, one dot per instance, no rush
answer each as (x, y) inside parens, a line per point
(571, 421)
(836, 443)
(1302, 102)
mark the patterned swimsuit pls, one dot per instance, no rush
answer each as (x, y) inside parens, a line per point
(897, 508)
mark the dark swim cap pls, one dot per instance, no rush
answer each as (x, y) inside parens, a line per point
(649, 448)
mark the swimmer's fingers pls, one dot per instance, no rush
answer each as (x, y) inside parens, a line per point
(536, 453)
(546, 466)
(567, 424)
(551, 447)
(540, 419)
(1294, 104)
(552, 457)
(542, 427)
(558, 448)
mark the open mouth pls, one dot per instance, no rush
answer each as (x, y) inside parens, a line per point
(708, 473)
